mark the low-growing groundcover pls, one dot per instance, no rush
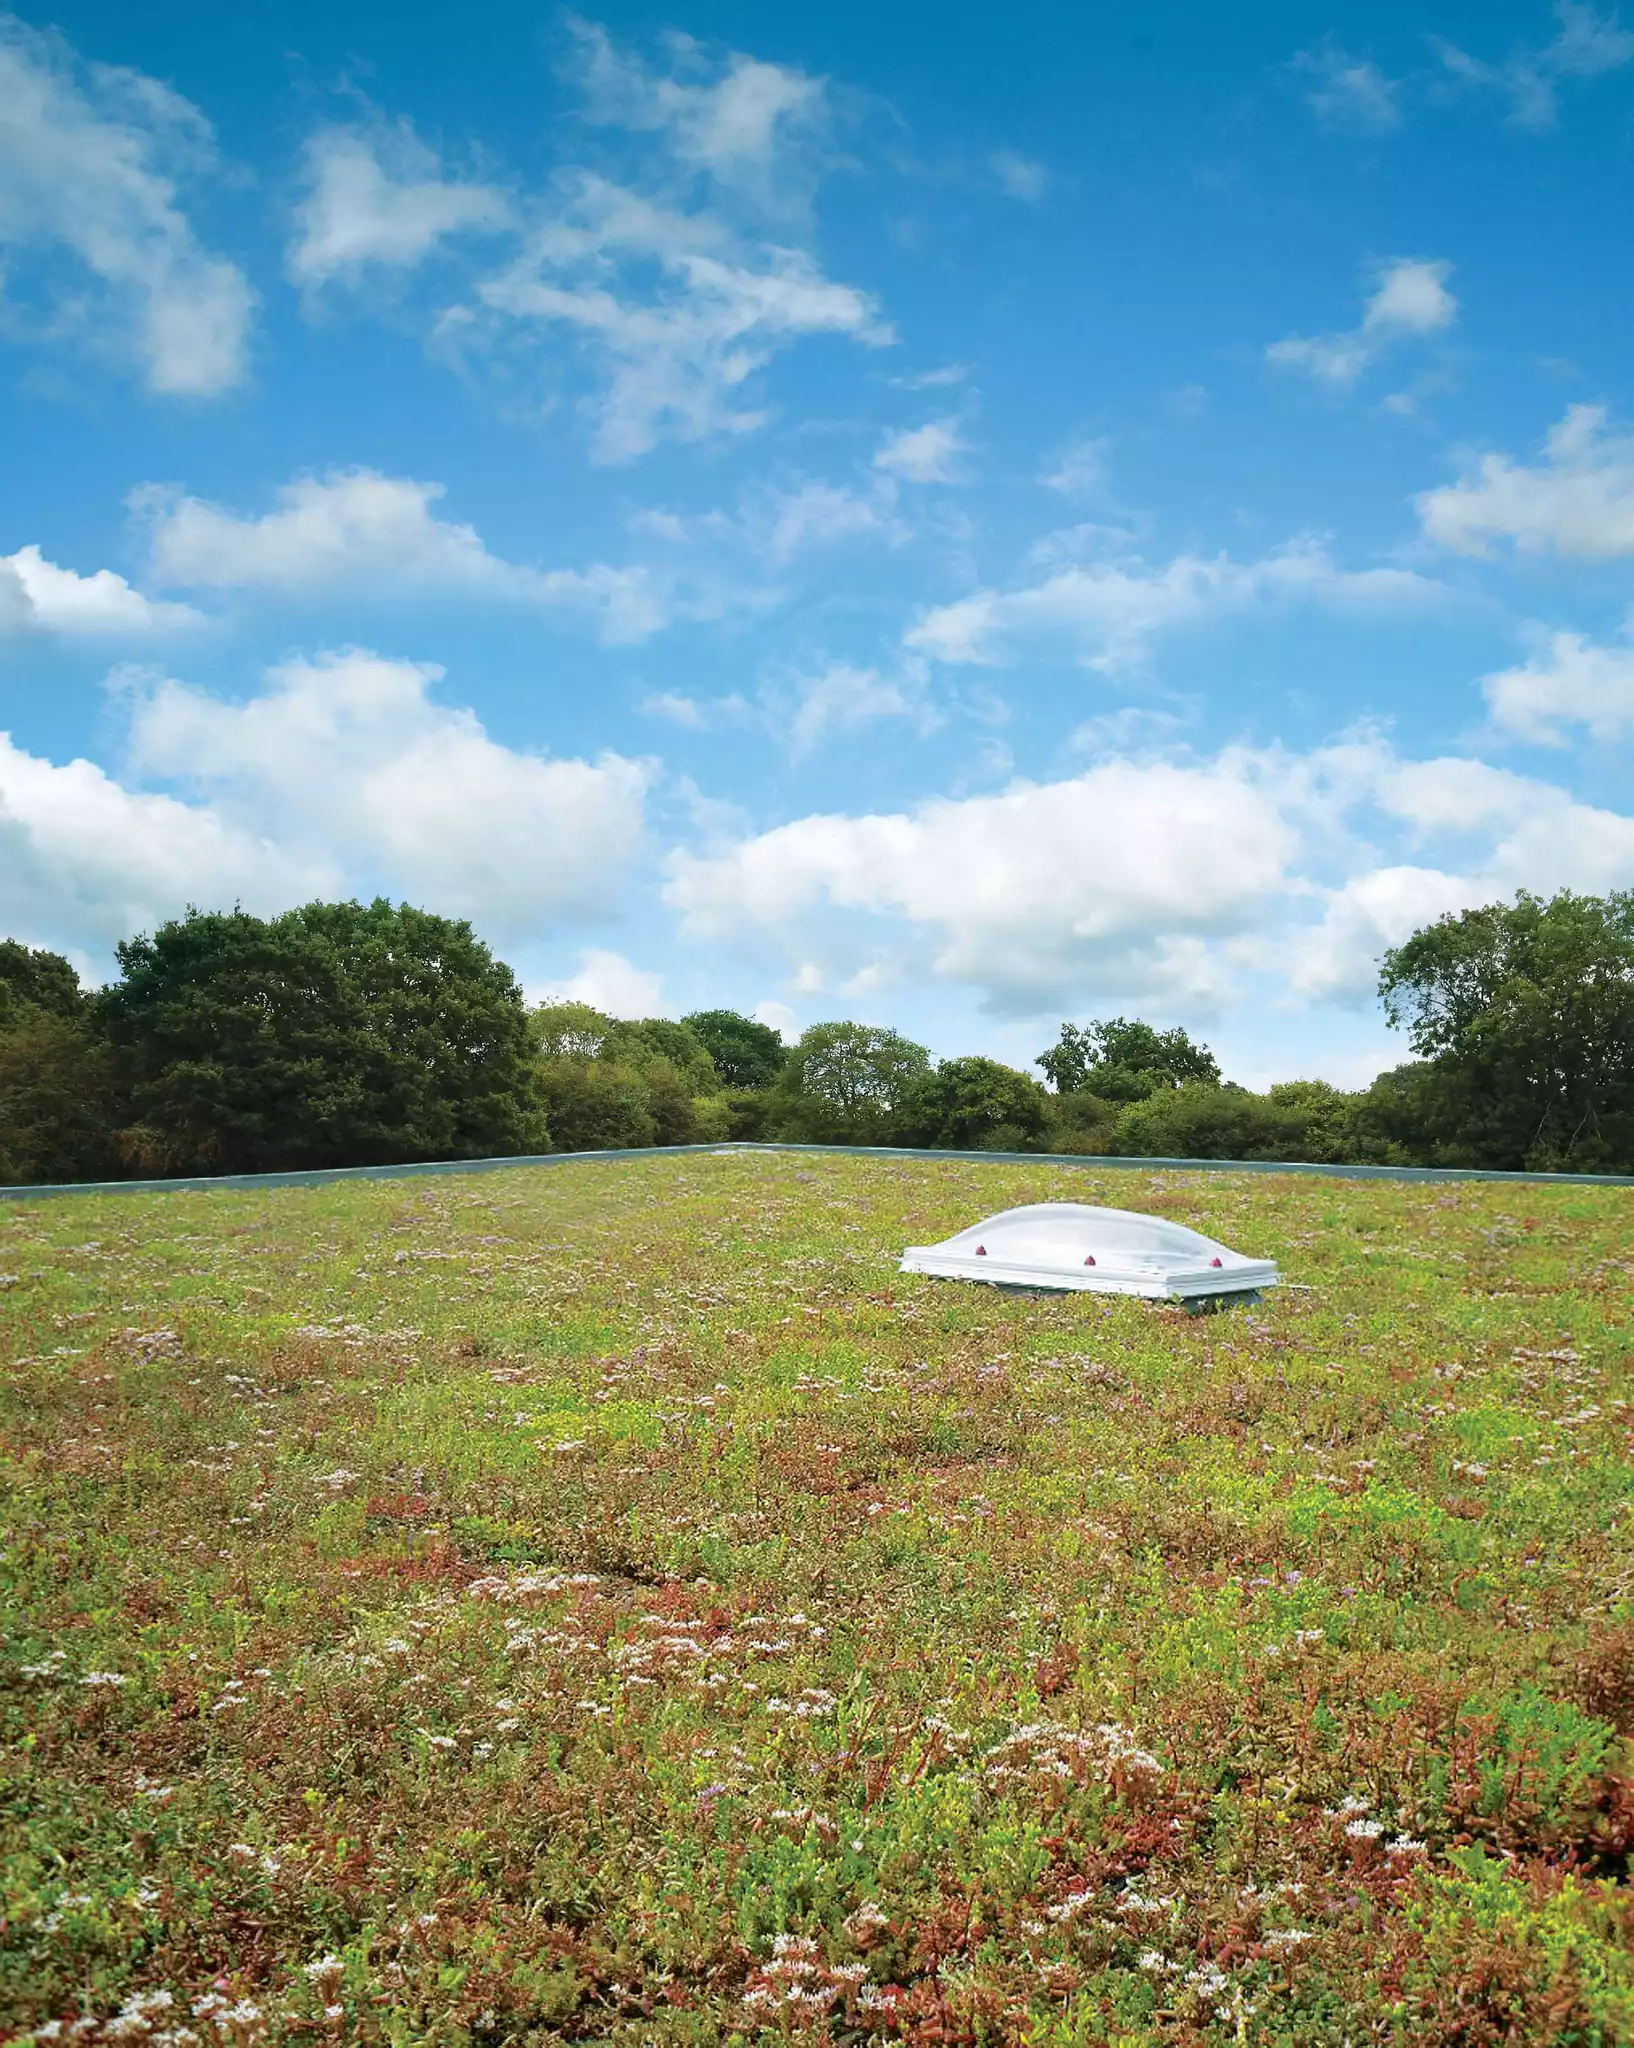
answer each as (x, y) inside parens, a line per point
(610, 1604)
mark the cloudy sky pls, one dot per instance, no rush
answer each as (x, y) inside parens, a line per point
(951, 519)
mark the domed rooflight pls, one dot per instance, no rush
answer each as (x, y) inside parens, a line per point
(1073, 1247)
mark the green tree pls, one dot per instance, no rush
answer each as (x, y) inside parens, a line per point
(572, 1031)
(977, 1103)
(847, 1084)
(1524, 1013)
(596, 1105)
(33, 979)
(648, 1041)
(1125, 1061)
(336, 1034)
(59, 1104)
(612, 1083)
(1200, 1121)
(746, 1054)
(1304, 1120)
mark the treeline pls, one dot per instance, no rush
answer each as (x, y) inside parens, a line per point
(348, 1034)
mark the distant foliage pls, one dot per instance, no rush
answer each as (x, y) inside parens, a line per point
(1524, 1013)
(59, 1105)
(609, 1083)
(1123, 1061)
(651, 1041)
(977, 1103)
(572, 1031)
(1294, 1120)
(337, 1034)
(32, 980)
(596, 1106)
(59, 1101)
(848, 1084)
(747, 1054)
(351, 1034)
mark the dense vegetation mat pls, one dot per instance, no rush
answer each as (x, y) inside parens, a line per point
(613, 1605)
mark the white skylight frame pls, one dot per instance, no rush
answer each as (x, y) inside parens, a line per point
(1072, 1247)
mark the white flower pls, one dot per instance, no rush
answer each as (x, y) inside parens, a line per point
(1364, 1830)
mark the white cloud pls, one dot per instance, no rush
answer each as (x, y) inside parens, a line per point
(814, 514)
(1569, 681)
(1105, 614)
(90, 165)
(1080, 469)
(924, 455)
(672, 285)
(1587, 45)
(356, 529)
(933, 380)
(801, 711)
(1112, 878)
(1365, 916)
(1504, 831)
(1152, 880)
(1349, 92)
(35, 595)
(350, 754)
(779, 1016)
(1019, 177)
(675, 311)
(85, 861)
(1578, 501)
(777, 523)
(609, 983)
(376, 197)
(1412, 299)
(737, 120)
(840, 699)
(678, 710)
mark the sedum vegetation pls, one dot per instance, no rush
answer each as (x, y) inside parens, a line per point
(610, 1604)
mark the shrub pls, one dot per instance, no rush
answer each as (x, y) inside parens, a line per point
(847, 1084)
(337, 1034)
(1124, 1061)
(595, 1105)
(746, 1054)
(973, 1103)
(58, 1101)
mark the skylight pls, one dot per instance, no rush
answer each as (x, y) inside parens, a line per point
(1073, 1247)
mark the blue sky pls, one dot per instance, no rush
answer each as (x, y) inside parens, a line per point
(955, 520)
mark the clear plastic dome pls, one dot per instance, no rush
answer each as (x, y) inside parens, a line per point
(1075, 1246)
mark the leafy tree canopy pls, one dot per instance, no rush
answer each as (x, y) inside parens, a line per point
(1125, 1061)
(652, 1039)
(848, 1084)
(58, 1106)
(976, 1102)
(32, 979)
(746, 1054)
(570, 1031)
(338, 1033)
(1524, 1012)
(596, 1106)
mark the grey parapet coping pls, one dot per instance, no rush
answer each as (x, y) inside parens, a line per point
(325, 1176)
